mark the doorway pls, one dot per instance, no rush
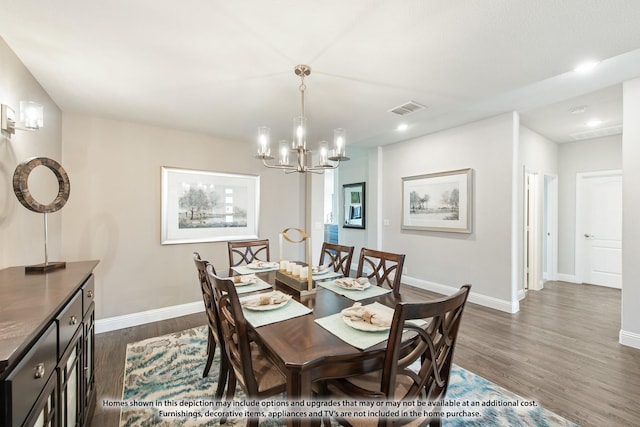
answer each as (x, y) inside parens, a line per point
(550, 228)
(599, 228)
(531, 233)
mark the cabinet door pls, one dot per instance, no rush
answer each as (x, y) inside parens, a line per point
(70, 381)
(88, 364)
(44, 412)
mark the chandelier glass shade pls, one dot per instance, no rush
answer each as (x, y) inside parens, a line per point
(327, 158)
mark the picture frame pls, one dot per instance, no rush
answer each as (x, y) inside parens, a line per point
(354, 207)
(203, 206)
(438, 201)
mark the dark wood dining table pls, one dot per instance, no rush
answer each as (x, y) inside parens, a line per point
(306, 352)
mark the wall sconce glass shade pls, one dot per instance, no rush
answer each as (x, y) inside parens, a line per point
(31, 115)
(7, 120)
(31, 118)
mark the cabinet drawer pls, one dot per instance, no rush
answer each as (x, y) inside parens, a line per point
(88, 294)
(28, 379)
(69, 320)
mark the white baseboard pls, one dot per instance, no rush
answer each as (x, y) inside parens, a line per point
(474, 297)
(629, 339)
(571, 278)
(135, 319)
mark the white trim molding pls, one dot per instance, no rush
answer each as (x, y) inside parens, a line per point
(571, 278)
(135, 319)
(474, 297)
(629, 339)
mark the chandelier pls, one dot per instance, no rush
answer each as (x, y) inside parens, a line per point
(327, 159)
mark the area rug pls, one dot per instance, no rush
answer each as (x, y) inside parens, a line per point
(163, 386)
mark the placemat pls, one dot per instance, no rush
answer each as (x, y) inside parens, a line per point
(243, 269)
(258, 286)
(355, 337)
(353, 294)
(288, 311)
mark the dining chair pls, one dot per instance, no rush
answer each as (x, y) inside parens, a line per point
(419, 371)
(215, 331)
(386, 268)
(339, 257)
(245, 252)
(251, 367)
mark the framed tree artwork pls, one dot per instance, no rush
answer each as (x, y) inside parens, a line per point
(203, 206)
(438, 201)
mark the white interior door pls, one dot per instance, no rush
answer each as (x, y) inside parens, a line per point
(599, 228)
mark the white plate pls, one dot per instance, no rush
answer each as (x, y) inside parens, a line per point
(366, 286)
(262, 266)
(364, 326)
(266, 307)
(321, 272)
(250, 282)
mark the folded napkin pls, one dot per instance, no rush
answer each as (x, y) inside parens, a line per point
(360, 283)
(368, 315)
(269, 298)
(245, 279)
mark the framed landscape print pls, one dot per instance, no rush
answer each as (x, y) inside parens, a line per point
(354, 205)
(438, 201)
(202, 206)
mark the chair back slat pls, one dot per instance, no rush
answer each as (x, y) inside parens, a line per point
(431, 350)
(384, 267)
(245, 252)
(235, 332)
(208, 298)
(337, 257)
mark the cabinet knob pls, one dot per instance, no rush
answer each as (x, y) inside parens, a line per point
(89, 294)
(38, 371)
(73, 320)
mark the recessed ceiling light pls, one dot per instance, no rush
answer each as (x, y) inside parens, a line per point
(594, 123)
(585, 67)
(402, 127)
(578, 110)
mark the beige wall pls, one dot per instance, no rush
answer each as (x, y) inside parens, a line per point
(443, 261)
(630, 330)
(114, 216)
(22, 231)
(574, 157)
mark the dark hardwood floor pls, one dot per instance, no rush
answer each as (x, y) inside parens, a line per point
(561, 350)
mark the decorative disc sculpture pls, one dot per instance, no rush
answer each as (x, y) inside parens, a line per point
(21, 189)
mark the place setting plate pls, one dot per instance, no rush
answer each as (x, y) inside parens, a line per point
(349, 288)
(364, 326)
(262, 265)
(320, 270)
(246, 281)
(246, 303)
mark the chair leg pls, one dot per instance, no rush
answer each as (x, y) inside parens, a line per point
(223, 375)
(211, 349)
(230, 391)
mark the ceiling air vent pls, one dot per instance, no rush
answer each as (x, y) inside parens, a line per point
(407, 108)
(597, 133)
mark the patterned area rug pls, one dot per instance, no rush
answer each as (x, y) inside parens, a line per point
(163, 386)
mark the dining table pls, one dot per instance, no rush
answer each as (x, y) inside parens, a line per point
(305, 348)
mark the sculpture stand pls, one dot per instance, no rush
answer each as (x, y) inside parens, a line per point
(46, 266)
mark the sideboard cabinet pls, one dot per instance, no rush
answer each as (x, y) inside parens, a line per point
(47, 346)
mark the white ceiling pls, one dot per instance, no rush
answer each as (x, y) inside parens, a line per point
(226, 67)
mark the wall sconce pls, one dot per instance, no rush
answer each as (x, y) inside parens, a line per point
(31, 118)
